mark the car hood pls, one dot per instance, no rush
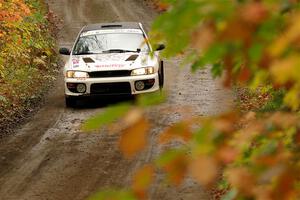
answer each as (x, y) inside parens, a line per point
(112, 61)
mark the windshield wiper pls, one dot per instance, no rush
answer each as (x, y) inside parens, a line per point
(118, 51)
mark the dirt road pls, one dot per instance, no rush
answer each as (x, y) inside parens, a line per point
(50, 158)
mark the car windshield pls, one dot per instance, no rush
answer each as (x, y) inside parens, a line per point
(110, 43)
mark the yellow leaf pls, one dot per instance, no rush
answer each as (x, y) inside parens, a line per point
(286, 70)
(292, 98)
(292, 33)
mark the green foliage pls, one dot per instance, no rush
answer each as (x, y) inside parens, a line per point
(168, 156)
(231, 195)
(187, 12)
(151, 99)
(110, 115)
(113, 195)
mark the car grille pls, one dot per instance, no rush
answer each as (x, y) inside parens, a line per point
(111, 88)
(116, 73)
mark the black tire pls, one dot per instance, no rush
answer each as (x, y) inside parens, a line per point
(70, 102)
(161, 75)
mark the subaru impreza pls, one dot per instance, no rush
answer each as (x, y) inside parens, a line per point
(112, 59)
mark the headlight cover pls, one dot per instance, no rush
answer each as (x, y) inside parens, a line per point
(143, 71)
(77, 74)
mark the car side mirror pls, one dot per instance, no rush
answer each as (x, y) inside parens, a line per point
(160, 47)
(64, 51)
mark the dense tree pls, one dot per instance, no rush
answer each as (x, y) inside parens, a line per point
(26, 54)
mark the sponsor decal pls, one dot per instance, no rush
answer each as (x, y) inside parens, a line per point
(76, 66)
(75, 61)
(109, 31)
(110, 65)
(111, 57)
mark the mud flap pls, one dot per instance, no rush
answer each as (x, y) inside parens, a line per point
(161, 74)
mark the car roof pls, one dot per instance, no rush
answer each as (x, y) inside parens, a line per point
(114, 25)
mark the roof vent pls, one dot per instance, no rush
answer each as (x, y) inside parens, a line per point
(111, 26)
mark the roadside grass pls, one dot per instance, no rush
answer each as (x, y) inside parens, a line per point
(260, 100)
(28, 62)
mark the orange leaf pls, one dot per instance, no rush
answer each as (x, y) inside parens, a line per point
(227, 154)
(204, 169)
(142, 181)
(241, 179)
(178, 131)
(284, 120)
(162, 6)
(226, 122)
(297, 137)
(254, 13)
(285, 188)
(134, 138)
(177, 169)
(204, 37)
(244, 75)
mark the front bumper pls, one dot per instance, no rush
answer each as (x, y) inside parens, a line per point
(128, 79)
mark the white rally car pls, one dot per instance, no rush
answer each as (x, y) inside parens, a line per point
(112, 59)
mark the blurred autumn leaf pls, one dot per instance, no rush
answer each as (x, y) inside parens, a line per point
(113, 195)
(110, 115)
(175, 163)
(204, 164)
(180, 130)
(151, 99)
(134, 138)
(142, 181)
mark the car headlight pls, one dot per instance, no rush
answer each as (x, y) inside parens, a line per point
(143, 71)
(77, 74)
